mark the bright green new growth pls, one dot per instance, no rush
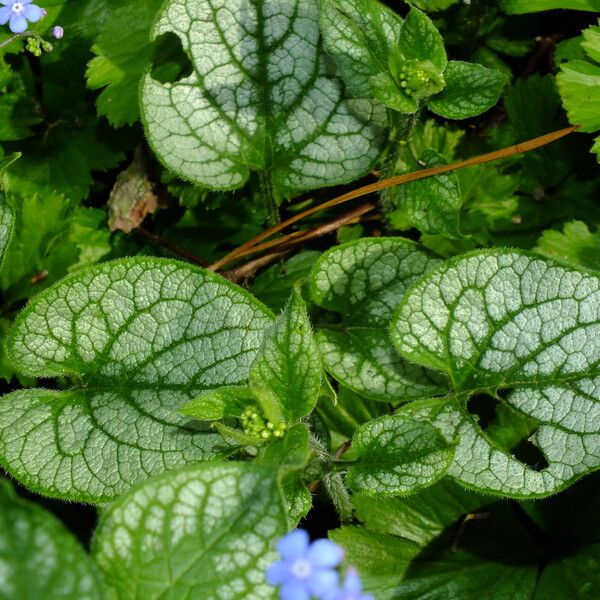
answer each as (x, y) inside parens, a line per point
(207, 531)
(398, 456)
(286, 376)
(502, 321)
(579, 85)
(364, 281)
(39, 558)
(259, 99)
(135, 339)
(402, 63)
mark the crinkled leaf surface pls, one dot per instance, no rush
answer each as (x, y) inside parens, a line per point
(137, 339)
(288, 365)
(432, 204)
(360, 35)
(123, 51)
(205, 531)
(381, 55)
(364, 281)
(575, 244)
(39, 558)
(259, 99)
(470, 90)
(503, 320)
(398, 456)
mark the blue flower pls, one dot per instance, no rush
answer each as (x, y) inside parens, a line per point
(351, 590)
(18, 12)
(305, 569)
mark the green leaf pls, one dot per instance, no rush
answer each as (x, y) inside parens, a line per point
(7, 219)
(207, 531)
(517, 7)
(123, 52)
(422, 41)
(579, 85)
(288, 365)
(137, 338)
(432, 205)
(364, 281)
(398, 456)
(274, 285)
(421, 517)
(503, 320)
(259, 99)
(227, 401)
(39, 557)
(576, 245)
(470, 90)
(360, 35)
(381, 56)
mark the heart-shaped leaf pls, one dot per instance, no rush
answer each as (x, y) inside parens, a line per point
(259, 98)
(137, 339)
(519, 327)
(364, 281)
(207, 531)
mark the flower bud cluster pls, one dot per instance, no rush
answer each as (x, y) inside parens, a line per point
(256, 425)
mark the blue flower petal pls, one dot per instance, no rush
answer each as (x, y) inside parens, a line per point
(325, 554)
(294, 544)
(6, 2)
(277, 573)
(4, 15)
(294, 591)
(323, 583)
(18, 24)
(352, 583)
(33, 13)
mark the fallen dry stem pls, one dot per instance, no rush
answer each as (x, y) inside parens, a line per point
(527, 146)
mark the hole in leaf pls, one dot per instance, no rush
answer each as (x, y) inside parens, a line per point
(529, 454)
(484, 407)
(170, 63)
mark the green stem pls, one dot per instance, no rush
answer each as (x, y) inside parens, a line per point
(17, 36)
(266, 191)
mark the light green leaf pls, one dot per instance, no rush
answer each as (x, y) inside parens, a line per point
(576, 244)
(434, 5)
(517, 7)
(123, 52)
(259, 99)
(364, 281)
(207, 531)
(227, 401)
(398, 456)
(288, 367)
(137, 338)
(432, 205)
(579, 85)
(39, 557)
(422, 41)
(470, 90)
(503, 320)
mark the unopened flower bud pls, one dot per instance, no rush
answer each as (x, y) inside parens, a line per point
(58, 32)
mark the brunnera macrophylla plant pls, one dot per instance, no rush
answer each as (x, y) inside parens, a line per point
(419, 395)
